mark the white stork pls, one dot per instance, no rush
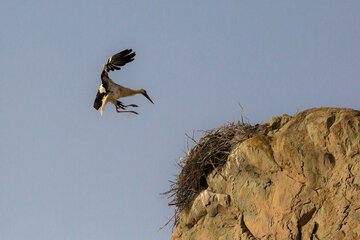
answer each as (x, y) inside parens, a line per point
(110, 91)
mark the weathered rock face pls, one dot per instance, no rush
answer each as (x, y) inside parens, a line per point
(299, 180)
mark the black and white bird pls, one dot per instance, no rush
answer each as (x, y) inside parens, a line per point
(110, 91)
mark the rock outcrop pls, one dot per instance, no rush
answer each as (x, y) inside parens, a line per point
(298, 179)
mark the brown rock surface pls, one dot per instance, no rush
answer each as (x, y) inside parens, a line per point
(300, 179)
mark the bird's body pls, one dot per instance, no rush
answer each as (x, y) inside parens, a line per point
(109, 91)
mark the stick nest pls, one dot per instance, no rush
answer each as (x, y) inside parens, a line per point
(209, 153)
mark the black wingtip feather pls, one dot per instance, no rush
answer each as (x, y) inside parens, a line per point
(120, 59)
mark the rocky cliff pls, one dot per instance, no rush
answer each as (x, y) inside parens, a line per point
(298, 178)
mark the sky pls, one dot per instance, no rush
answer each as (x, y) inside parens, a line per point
(67, 173)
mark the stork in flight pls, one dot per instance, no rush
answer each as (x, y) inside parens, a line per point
(110, 91)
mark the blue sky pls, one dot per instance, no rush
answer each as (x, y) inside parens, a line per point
(68, 173)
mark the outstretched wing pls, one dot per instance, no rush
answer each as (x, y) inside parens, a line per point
(120, 59)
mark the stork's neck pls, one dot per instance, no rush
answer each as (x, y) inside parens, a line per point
(139, 91)
(126, 92)
(104, 73)
(135, 91)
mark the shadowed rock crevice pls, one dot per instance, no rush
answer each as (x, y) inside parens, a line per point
(330, 121)
(245, 230)
(313, 233)
(329, 160)
(292, 178)
(304, 219)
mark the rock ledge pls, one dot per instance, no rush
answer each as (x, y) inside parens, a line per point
(300, 179)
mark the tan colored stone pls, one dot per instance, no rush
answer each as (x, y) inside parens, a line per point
(300, 180)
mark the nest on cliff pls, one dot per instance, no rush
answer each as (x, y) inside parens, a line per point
(208, 154)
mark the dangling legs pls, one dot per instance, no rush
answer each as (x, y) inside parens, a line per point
(117, 110)
(119, 105)
(131, 105)
(122, 106)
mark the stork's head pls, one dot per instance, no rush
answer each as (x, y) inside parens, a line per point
(143, 92)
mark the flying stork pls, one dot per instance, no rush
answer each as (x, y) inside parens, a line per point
(110, 91)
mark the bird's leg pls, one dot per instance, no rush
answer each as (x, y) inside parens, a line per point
(126, 111)
(131, 105)
(119, 105)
